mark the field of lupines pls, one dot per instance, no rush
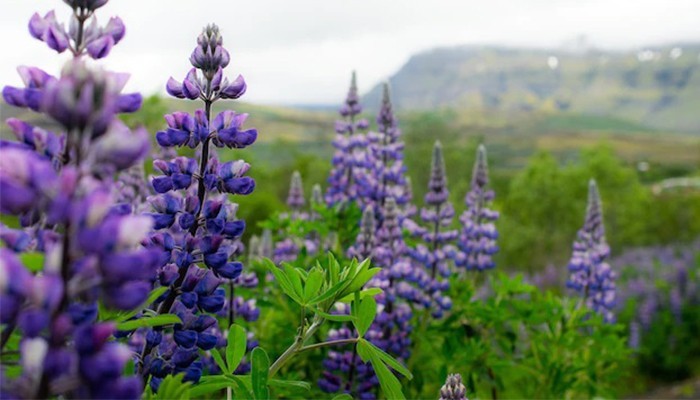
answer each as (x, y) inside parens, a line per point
(114, 284)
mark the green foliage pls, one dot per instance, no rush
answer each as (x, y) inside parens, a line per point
(149, 321)
(259, 373)
(520, 342)
(172, 388)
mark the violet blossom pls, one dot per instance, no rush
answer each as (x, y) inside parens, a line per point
(590, 274)
(477, 239)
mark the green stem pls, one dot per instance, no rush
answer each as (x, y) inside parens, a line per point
(296, 347)
(330, 343)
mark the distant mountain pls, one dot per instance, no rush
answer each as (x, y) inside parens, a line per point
(658, 87)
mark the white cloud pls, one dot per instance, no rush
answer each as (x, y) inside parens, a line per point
(303, 51)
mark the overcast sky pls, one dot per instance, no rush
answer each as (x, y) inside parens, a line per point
(302, 51)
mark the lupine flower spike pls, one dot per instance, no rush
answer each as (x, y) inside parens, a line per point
(453, 389)
(384, 176)
(477, 239)
(432, 256)
(198, 231)
(590, 274)
(60, 186)
(350, 155)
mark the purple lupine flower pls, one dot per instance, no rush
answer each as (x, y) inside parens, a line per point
(97, 256)
(390, 331)
(453, 389)
(83, 36)
(295, 198)
(288, 250)
(384, 174)
(350, 155)
(437, 216)
(590, 274)
(132, 189)
(477, 239)
(360, 379)
(285, 251)
(199, 233)
(364, 244)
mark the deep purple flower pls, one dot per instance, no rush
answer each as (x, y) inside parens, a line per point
(198, 232)
(477, 239)
(590, 274)
(383, 176)
(229, 132)
(350, 154)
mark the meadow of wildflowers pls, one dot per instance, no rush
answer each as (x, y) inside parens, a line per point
(124, 273)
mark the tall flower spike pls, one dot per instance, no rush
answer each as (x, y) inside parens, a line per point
(590, 274)
(295, 198)
(364, 244)
(477, 240)
(384, 176)
(431, 255)
(61, 188)
(350, 156)
(198, 229)
(453, 389)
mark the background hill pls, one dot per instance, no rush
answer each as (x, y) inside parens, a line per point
(655, 87)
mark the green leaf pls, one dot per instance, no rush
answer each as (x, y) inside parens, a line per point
(371, 351)
(235, 349)
(387, 380)
(313, 284)
(366, 313)
(364, 293)
(34, 262)
(330, 293)
(283, 281)
(363, 350)
(206, 388)
(216, 355)
(335, 317)
(259, 370)
(158, 320)
(343, 396)
(282, 384)
(173, 387)
(361, 278)
(239, 384)
(295, 278)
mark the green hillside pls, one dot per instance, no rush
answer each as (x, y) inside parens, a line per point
(654, 87)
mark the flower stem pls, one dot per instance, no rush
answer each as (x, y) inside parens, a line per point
(295, 347)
